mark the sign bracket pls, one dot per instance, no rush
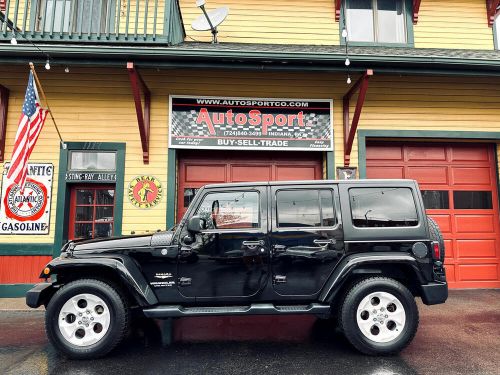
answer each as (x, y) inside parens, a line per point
(350, 129)
(143, 117)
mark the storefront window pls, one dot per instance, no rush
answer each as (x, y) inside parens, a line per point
(92, 161)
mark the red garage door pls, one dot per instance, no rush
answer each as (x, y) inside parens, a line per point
(459, 186)
(200, 168)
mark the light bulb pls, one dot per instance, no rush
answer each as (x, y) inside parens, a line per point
(349, 80)
(66, 70)
(344, 33)
(13, 41)
(347, 61)
(47, 64)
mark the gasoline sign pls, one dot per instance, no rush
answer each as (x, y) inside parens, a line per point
(27, 211)
(251, 123)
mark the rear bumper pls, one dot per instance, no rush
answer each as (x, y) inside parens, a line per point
(434, 293)
(39, 294)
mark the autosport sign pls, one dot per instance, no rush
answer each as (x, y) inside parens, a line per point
(251, 123)
(27, 211)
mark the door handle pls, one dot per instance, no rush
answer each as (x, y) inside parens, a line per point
(253, 243)
(330, 241)
(279, 248)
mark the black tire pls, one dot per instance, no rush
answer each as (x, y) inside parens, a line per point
(436, 234)
(119, 318)
(348, 316)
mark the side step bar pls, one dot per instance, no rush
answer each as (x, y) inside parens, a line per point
(173, 311)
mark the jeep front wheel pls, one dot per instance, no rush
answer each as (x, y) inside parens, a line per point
(86, 319)
(379, 316)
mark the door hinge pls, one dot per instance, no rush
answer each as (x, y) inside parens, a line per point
(184, 281)
(279, 279)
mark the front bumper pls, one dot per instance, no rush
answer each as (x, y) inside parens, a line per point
(434, 293)
(39, 294)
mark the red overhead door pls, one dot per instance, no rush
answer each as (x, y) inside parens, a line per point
(459, 186)
(201, 168)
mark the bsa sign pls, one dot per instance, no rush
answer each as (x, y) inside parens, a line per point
(145, 191)
(251, 123)
(27, 211)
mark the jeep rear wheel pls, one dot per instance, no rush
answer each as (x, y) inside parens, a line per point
(379, 316)
(86, 319)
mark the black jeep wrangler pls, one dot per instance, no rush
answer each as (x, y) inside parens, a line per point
(358, 252)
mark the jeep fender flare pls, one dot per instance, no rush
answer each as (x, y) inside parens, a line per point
(122, 266)
(352, 262)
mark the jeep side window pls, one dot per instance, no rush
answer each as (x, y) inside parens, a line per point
(383, 207)
(305, 208)
(230, 210)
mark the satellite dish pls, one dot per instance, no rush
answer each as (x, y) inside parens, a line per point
(210, 20)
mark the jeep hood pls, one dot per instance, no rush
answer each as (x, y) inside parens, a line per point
(121, 243)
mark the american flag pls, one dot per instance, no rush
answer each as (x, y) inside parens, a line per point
(30, 125)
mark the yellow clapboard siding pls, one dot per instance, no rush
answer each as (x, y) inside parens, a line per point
(453, 24)
(93, 104)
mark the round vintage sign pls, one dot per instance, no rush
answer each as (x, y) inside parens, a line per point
(28, 204)
(145, 191)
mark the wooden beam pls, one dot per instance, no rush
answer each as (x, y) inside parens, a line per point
(350, 129)
(143, 119)
(416, 9)
(338, 4)
(491, 10)
(4, 105)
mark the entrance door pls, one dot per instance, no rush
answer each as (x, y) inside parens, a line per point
(306, 238)
(206, 167)
(91, 212)
(459, 187)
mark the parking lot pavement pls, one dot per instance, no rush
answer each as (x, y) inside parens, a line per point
(459, 337)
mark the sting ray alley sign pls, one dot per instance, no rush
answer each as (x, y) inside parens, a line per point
(251, 123)
(27, 211)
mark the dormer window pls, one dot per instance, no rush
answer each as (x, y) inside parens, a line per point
(377, 21)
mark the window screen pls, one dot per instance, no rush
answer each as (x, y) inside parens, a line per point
(383, 207)
(305, 208)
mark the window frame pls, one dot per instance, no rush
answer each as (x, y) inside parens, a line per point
(229, 230)
(316, 188)
(408, 9)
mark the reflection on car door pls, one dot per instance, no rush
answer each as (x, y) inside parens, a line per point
(229, 258)
(306, 238)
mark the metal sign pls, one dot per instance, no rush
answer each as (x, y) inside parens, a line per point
(27, 211)
(251, 123)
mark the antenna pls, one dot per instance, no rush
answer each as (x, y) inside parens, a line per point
(209, 20)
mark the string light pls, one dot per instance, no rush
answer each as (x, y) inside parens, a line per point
(344, 33)
(347, 61)
(47, 64)
(349, 80)
(66, 70)
(13, 40)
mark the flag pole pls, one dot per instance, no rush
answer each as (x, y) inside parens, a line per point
(32, 68)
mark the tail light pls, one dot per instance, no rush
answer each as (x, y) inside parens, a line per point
(436, 250)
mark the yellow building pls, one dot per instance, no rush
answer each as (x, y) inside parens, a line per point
(150, 110)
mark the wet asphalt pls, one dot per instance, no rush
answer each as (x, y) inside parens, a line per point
(459, 337)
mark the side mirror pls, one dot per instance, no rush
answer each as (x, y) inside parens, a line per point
(196, 224)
